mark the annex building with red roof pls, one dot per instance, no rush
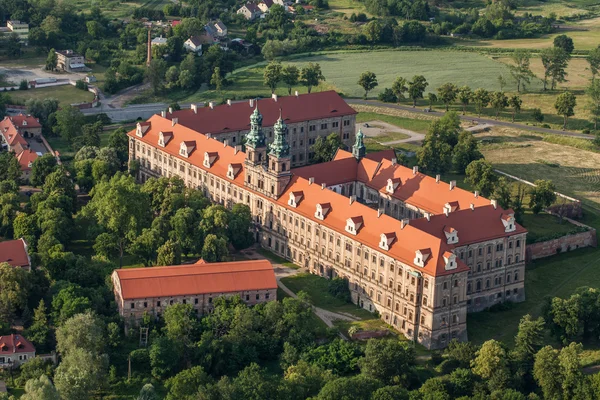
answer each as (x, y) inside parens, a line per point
(13, 131)
(15, 350)
(415, 266)
(152, 290)
(15, 253)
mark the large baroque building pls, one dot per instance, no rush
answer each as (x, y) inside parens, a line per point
(307, 116)
(419, 251)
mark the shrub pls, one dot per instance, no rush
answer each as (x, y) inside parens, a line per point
(447, 366)
(23, 85)
(387, 96)
(340, 289)
(536, 113)
(79, 84)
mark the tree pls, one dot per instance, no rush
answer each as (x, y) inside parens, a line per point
(390, 393)
(145, 246)
(501, 82)
(503, 193)
(357, 387)
(39, 331)
(10, 169)
(216, 80)
(14, 289)
(547, 372)
(565, 43)
(51, 60)
(82, 331)
(40, 388)
(185, 232)
(165, 357)
(520, 70)
(272, 75)
(481, 98)
(185, 384)
(69, 121)
(91, 134)
(491, 364)
(80, 374)
(565, 105)
(181, 323)
(290, 75)
(368, 81)
(542, 195)
(155, 74)
(119, 141)
(311, 75)
(593, 59)
(324, 148)
(528, 341)
(399, 87)
(480, 174)
(238, 228)
(465, 95)
(148, 393)
(432, 99)
(499, 102)
(514, 102)
(305, 379)
(436, 153)
(465, 151)
(186, 79)
(555, 61)
(447, 93)
(169, 254)
(570, 367)
(388, 361)
(13, 46)
(416, 88)
(214, 249)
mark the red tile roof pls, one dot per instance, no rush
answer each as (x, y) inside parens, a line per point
(388, 154)
(15, 253)
(236, 117)
(30, 121)
(200, 278)
(26, 158)
(10, 344)
(11, 134)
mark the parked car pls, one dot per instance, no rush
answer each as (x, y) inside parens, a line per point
(38, 139)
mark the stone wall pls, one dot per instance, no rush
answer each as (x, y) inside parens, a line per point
(563, 244)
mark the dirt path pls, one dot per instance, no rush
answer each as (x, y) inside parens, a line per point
(376, 128)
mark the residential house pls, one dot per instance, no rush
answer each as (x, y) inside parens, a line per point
(265, 5)
(159, 41)
(69, 61)
(220, 28)
(194, 44)
(250, 11)
(20, 28)
(26, 159)
(151, 290)
(15, 350)
(15, 253)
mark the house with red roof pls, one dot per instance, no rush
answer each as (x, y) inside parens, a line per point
(152, 290)
(15, 252)
(15, 350)
(26, 159)
(250, 11)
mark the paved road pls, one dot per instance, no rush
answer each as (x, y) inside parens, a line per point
(470, 118)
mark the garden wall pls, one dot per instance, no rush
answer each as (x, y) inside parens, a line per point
(364, 335)
(562, 244)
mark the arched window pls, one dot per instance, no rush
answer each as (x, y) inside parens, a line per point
(283, 167)
(478, 286)
(487, 283)
(468, 287)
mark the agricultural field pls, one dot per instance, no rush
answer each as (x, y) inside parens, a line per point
(66, 94)
(558, 7)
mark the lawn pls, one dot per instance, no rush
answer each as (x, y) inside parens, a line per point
(416, 125)
(276, 259)
(316, 287)
(64, 148)
(543, 226)
(66, 95)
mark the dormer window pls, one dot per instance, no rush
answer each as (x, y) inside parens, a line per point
(451, 235)
(386, 240)
(354, 224)
(209, 159)
(295, 198)
(509, 222)
(450, 260)
(421, 257)
(164, 138)
(24, 123)
(322, 210)
(392, 185)
(233, 170)
(450, 207)
(141, 128)
(187, 148)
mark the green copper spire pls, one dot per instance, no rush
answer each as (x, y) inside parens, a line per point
(359, 150)
(279, 148)
(255, 138)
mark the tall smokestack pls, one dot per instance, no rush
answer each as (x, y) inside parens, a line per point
(149, 56)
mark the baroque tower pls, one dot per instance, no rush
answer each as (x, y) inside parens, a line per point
(358, 149)
(279, 159)
(256, 153)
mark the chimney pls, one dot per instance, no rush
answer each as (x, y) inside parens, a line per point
(195, 108)
(274, 97)
(296, 93)
(415, 170)
(476, 193)
(311, 180)
(404, 222)
(352, 199)
(452, 184)
(224, 142)
(437, 178)
(211, 104)
(394, 161)
(472, 206)
(163, 114)
(170, 110)
(229, 102)
(428, 216)
(494, 203)
(251, 102)
(379, 212)
(446, 211)
(174, 121)
(323, 185)
(208, 136)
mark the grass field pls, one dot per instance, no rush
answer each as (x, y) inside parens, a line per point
(401, 122)
(545, 8)
(65, 94)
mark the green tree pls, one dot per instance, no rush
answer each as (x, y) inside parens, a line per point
(547, 372)
(10, 169)
(565, 106)
(542, 195)
(40, 388)
(416, 88)
(359, 387)
(14, 289)
(480, 174)
(239, 226)
(311, 76)
(481, 98)
(432, 99)
(388, 361)
(41, 168)
(465, 151)
(503, 193)
(593, 59)
(436, 153)
(390, 393)
(169, 254)
(69, 121)
(434, 388)
(51, 60)
(148, 393)
(216, 80)
(82, 331)
(447, 93)
(119, 141)
(499, 102)
(491, 364)
(214, 249)
(368, 81)
(13, 45)
(465, 95)
(400, 87)
(39, 331)
(91, 134)
(501, 82)
(520, 70)
(555, 61)
(185, 384)
(593, 92)
(80, 374)
(272, 75)
(514, 102)
(186, 79)
(181, 324)
(305, 379)
(165, 357)
(145, 246)
(185, 230)
(324, 148)
(290, 75)
(564, 42)
(155, 74)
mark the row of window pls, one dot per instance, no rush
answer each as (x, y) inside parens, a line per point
(184, 301)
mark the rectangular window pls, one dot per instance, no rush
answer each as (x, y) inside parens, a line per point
(158, 304)
(132, 305)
